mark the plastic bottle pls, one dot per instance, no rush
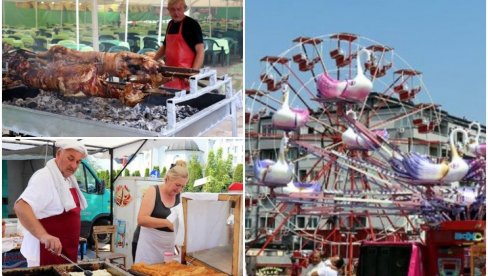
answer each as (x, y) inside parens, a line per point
(168, 257)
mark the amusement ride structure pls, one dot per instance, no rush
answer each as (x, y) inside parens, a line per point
(362, 148)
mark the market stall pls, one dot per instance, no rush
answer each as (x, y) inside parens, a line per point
(213, 231)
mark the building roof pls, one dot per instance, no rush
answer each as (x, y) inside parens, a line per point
(186, 145)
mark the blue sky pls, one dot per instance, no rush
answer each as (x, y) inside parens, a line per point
(444, 39)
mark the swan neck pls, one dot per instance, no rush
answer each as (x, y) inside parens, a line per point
(281, 154)
(358, 61)
(477, 137)
(454, 152)
(285, 98)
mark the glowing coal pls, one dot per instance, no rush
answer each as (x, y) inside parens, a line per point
(142, 116)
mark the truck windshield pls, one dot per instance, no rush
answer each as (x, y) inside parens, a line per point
(86, 180)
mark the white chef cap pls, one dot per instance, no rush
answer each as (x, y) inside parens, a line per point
(72, 144)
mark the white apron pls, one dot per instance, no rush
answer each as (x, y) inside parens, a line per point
(152, 244)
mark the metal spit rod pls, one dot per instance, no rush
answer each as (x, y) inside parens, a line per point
(86, 272)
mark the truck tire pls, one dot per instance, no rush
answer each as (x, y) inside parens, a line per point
(101, 238)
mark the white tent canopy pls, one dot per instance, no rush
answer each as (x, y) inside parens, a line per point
(99, 146)
(42, 148)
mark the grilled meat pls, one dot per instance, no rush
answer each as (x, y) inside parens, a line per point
(121, 64)
(69, 79)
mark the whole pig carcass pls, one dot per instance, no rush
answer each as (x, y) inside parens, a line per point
(69, 79)
(125, 65)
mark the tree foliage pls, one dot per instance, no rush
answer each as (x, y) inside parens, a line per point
(195, 172)
(116, 172)
(218, 171)
(104, 175)
(211, 164)
(238, 175)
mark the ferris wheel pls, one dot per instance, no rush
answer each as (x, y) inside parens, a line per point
(349, 117)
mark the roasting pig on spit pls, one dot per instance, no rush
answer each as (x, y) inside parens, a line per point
(69, 72)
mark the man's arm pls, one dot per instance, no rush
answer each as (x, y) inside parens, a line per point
(28, 219)
(160, 53)
(199, 55)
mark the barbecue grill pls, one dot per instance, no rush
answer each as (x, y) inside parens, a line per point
(63, 270)
(209, 106)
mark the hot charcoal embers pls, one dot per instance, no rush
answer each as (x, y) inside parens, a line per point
(142, 116)
(162, 112)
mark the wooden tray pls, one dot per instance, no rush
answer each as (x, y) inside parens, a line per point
(135, 273)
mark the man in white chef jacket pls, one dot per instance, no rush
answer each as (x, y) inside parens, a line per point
(49, 208)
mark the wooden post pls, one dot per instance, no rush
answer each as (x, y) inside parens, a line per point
(237, 235)
(185, 218)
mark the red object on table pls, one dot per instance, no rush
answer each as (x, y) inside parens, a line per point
(235, 187)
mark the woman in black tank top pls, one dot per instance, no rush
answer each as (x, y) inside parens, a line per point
(157, 202)
(159, 211)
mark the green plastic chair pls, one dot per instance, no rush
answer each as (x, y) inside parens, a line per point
(18, 44)
(86, 48)
(40, 43)
(61, 36)
(116, 49)
(8, 40)
(28, 41)
(107, 32)
(67, 43)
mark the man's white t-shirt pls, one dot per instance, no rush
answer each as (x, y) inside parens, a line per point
(44, 200)
(319, 268)
(329, 271)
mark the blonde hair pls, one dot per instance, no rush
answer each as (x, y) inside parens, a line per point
(174, 2)
(178, 169)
